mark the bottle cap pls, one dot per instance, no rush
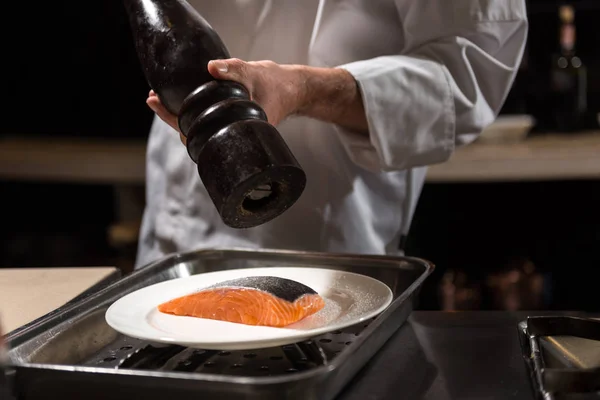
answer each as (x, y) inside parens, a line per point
(567, 14)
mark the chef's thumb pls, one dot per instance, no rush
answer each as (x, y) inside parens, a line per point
(232, 69)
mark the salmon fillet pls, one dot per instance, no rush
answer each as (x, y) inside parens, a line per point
(256, 300)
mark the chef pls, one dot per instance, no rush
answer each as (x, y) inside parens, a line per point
(366, 93)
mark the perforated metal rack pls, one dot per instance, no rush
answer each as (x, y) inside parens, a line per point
(74, 354)
(128, 353)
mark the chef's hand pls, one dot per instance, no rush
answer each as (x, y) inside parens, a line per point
(276, 88)
(326, 94)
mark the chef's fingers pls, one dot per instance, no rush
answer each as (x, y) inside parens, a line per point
(235, 70)
(183, 139)
(219, 69)
(156, 106)
(232, 69)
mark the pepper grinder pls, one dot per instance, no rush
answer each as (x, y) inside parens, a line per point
(247, 168)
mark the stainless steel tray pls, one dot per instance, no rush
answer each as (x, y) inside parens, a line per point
(74, 354)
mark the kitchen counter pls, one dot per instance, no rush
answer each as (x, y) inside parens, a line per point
(448, 356)
(29, 293)
(460, 356)
(547, 157)
(435, 356)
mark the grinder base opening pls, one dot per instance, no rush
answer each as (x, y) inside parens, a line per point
(260, 197)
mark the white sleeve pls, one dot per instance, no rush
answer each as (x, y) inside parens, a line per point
(459, 62)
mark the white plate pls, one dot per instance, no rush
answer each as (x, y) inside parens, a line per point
(349, 299)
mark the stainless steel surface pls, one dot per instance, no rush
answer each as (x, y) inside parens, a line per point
(582, 353)
(5, 370)
(467, 355)
(556, 371)
(74, 353)
(577, 352)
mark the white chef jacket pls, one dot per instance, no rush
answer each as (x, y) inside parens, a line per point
(432, 74)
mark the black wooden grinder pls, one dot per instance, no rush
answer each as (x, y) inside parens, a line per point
(247, 168)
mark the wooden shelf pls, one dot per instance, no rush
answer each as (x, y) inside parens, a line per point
(548, 157)
(73, 160)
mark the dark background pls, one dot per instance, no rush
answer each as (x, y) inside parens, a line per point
(69, 68)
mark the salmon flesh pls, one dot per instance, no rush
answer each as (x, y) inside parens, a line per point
(255, 300)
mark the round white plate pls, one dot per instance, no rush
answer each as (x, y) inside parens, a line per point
(349, 299)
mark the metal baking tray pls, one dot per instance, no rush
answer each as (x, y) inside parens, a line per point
(74, 354)
(561, 356)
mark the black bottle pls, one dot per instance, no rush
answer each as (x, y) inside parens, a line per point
(244, 163)
(569, 87)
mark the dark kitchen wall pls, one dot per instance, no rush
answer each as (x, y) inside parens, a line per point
(519, 245)
(70, 68)
(530, 91)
